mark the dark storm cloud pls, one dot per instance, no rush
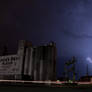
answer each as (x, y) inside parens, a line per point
(76, 18)
(41, 21)
(75, 26)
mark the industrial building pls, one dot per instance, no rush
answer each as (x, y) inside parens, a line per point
(30, 62)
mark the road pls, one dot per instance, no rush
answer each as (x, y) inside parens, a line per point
(44, 86)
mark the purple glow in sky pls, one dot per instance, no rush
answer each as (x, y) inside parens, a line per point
(89, 59)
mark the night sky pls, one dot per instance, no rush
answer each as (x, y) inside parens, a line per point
(66, 22)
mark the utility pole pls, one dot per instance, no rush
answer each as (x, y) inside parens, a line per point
(72, 69)
(74, 74)
(87, 71)
(66, 71)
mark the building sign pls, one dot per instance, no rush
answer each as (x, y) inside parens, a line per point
(10, 64)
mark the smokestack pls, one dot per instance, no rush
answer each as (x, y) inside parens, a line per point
(5, 51)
